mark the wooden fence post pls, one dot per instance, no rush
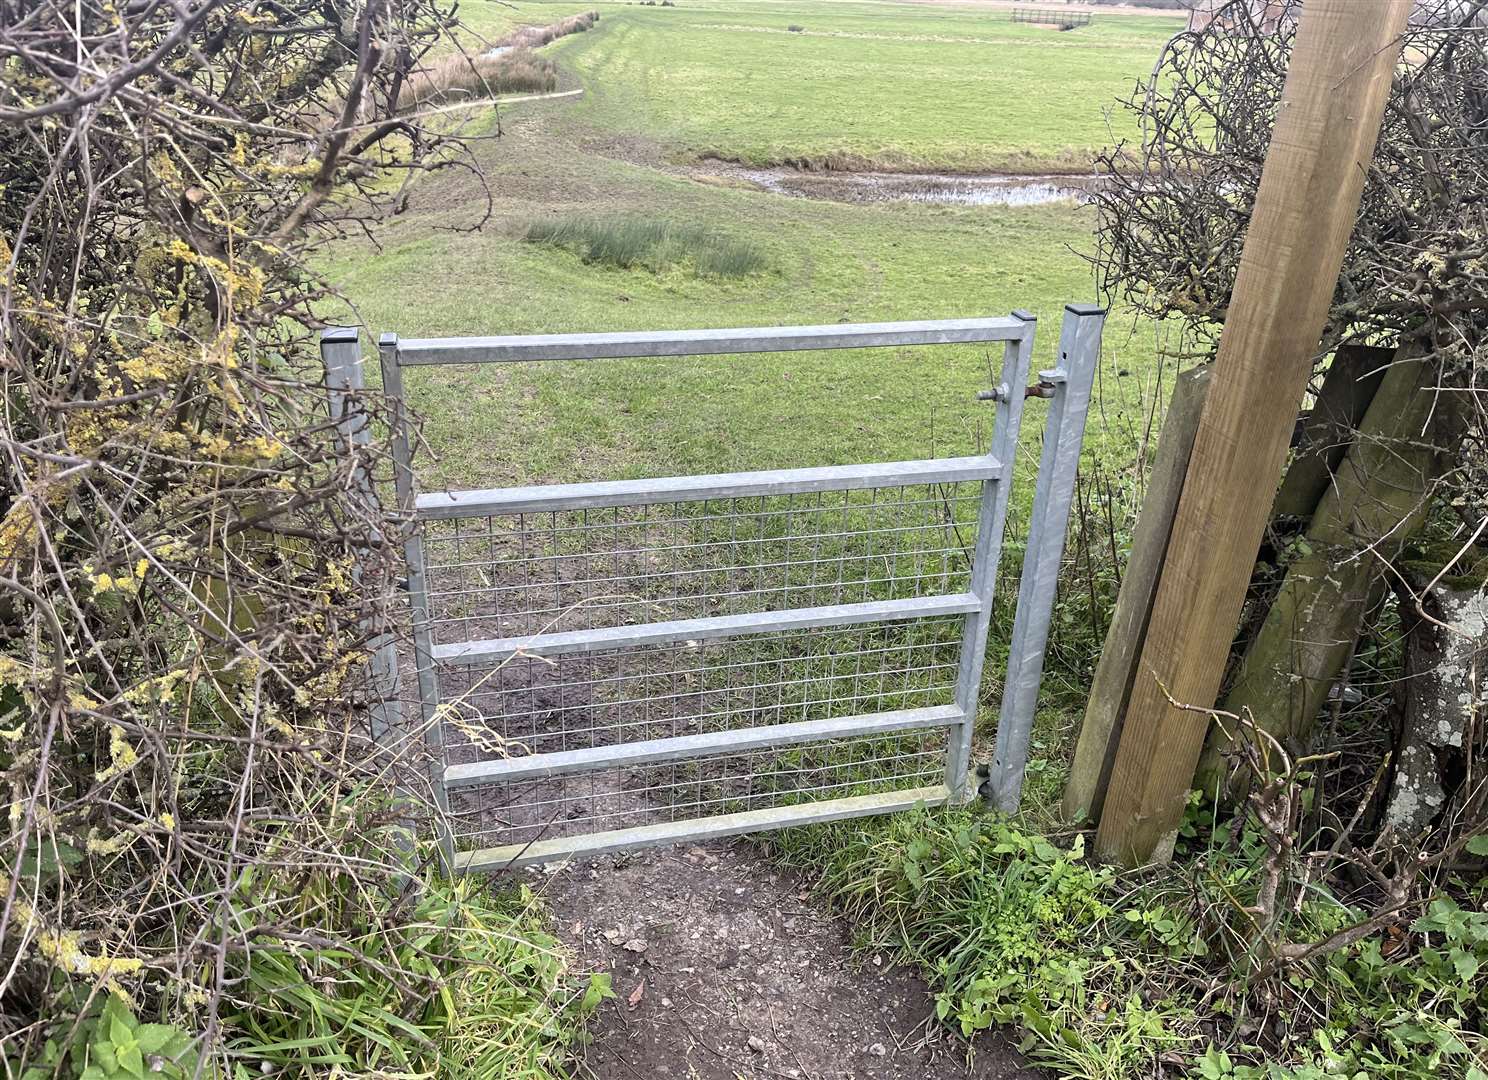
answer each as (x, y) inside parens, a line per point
(1100, 732)
(1327, 122)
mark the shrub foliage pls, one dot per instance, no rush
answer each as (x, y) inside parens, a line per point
(199, 830)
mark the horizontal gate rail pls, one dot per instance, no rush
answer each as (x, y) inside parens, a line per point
(434, 506)
(487, 350)
(720, 626)
(681, 747)
(698, 829)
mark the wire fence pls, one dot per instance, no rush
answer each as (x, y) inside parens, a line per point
(613, 664)
(587, 569)
(1065, 20)
(500, 576)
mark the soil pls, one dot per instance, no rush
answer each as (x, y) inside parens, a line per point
(724, 968)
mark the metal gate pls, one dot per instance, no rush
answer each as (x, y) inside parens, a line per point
(618, 664)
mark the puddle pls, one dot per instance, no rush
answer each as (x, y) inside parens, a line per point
(496, 51)
(996, 189)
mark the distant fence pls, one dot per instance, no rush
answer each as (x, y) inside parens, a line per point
(1065, 20)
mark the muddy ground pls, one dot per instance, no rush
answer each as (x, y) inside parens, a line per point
(724, 968)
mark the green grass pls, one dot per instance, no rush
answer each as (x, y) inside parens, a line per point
(891, 85)
(657, 245)
(506, 1003)
(593, 158)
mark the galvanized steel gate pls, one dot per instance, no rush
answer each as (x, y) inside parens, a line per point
(617, 664)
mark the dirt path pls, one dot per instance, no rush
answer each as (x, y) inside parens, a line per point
(723, 969)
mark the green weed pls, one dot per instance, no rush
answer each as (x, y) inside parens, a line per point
(1112, 978)
(104, 1040)
(504, 1004)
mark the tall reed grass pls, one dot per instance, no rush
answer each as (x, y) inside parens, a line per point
(465, 78)
(531, 37)
(508, 67)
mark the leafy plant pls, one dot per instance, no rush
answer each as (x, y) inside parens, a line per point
(1106, 977)
(107, 1042)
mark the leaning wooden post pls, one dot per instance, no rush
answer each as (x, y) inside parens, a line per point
(1100, 734)
(1327, 122)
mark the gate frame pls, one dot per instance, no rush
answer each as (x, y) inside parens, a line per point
(1068, 385)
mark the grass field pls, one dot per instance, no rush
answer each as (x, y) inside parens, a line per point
(828, 263)
(888, 85)
(596, 158)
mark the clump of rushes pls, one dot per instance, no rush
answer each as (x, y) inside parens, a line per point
(518, 70)
(629, 243)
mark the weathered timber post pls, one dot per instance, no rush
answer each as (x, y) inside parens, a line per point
(1376, 502)
(342, 357)
(1327, 122)
(1325, 433)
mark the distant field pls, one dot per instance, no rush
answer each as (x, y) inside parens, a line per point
(828, 262)
(889, 85)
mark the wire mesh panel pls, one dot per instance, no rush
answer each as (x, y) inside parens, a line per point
(501, 576)
(613, 664)
(604, 669)
(527, 705)
(534, 809)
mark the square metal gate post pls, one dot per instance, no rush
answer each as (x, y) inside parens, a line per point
(418, 596)
(992, 518)
(342, 358)
(1072, 382)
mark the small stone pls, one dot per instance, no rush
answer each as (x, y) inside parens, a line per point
(756, 1044)
(635, 945)
(878, 1050)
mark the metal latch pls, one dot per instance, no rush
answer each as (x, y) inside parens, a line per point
(1048, 382)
